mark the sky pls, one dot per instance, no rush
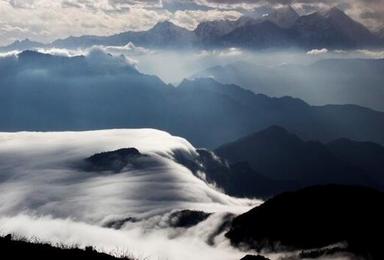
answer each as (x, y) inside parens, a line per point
(47, 20)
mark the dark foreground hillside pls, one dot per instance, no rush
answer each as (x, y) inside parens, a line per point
(11, 249)
(315, 218)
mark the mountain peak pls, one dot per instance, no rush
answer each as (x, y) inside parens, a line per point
(275, 129)
(335, 12)
(165, 25)
(23, 45)
(282, 16)
(32, 53)
(274, 133)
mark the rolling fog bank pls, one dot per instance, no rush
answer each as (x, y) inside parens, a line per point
(48, 197)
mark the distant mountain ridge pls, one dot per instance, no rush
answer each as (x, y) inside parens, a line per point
(279, 155)
(281, 27)
(328, 81)
(282, 161)
(99, 91)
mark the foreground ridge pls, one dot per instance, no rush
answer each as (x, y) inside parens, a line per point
(28, 250)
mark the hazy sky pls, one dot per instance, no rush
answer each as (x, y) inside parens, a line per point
(45, 20)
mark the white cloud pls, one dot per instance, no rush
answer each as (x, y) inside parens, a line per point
(45, 196)
(376, 54)
(316, 52)
(220, 53)
(9, 53)
(129, 49)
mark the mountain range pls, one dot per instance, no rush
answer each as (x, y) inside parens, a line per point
(273, 161)
(277, 28)
(45, 92)
(328, 81)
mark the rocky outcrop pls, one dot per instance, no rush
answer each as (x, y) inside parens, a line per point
(187, 218)
(112, 161)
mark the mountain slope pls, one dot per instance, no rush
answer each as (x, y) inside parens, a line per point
(29, 250)
(329, 81)
(99, 91)
(313, 218)
(332, 29)
(365, 155)
(264, 34)
(284, 16)
(276, 28)
(279, 155)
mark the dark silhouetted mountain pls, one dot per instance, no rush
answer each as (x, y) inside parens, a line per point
(254, 257)
(176, 219)
(208, 32)
(44, 92)
(12, 249)
(365, 155)
(113, 161)
(238, 179)
(187, 218)
(265, 34)
(284, 16)
(331, 81)
(314, 218)
(279, 155)
(332, 29)
(167, 34)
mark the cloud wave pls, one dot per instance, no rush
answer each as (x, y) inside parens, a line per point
(45, 196)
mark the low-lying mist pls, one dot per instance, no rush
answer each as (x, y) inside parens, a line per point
(47, 197)
(172, 66)
(319, 76)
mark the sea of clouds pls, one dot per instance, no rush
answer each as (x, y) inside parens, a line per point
(46, 197)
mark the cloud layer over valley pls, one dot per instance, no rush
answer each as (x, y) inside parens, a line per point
(44, 190)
